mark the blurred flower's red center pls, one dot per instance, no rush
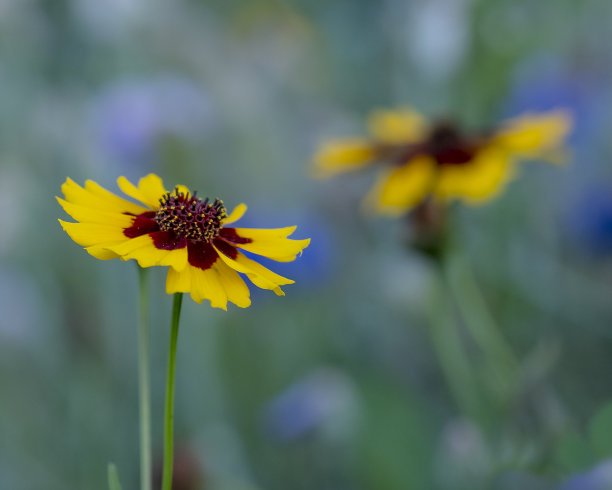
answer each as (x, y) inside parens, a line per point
(190, 217)
(448, 146)
(445, 144)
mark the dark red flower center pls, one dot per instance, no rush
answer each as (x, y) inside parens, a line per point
(189, 217)
(448, 146)
(445, 143)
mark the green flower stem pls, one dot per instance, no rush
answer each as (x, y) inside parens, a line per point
(448, 346)
(144, 385)
(502, 363)
(169, 412)
(113, 477)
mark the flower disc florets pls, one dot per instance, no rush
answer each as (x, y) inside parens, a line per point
(190, 217)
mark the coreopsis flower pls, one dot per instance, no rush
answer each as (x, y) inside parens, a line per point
(439, 160)
(179, 230)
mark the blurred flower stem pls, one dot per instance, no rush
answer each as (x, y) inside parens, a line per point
(113, 477)
(169, 410)
(459, 316)
(448, 345)
(502, 365)
(144, 384)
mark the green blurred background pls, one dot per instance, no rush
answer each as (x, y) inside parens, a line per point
(335, 386)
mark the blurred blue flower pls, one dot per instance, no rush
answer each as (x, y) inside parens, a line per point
(130, 116)
(597, 478)
(591, 220)
(323, 401)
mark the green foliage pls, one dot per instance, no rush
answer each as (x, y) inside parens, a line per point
(600, 432)
(573, 452)
(396, 444)
(577, 452)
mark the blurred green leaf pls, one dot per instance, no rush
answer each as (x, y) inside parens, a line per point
(574, 453)
(396, 447)
(600, 431)
(113, 477)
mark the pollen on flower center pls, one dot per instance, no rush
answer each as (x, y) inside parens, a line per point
(189, 216)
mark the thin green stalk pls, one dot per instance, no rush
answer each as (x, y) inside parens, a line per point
(144, 385)
(448, 346)
(169, 411)
(502, 363)
(113, 477)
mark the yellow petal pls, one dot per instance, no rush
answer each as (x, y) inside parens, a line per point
(101, 252)
(183, 189)
(479, 180)
(178, 281)
(257, 273)
(265, 233)
(236, 290)
(397, 127)
(200, 284)
(280, 252)
(402, 188)
(149, 191)
(144, 251)
(218, 284)
(272, 243)
(88, 234)
(207, 285)
(343, 155)
(236, 214)
(89, 215)
(96, 197)
(120, 203)
(534, 135)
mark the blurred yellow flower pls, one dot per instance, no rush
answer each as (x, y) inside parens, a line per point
(181, 231)
(439, 160)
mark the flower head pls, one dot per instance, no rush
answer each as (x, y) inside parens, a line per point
(440, 160)
(179, 230)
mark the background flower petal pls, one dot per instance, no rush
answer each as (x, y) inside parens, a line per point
(481, 179)
(401, 188)
(343, 155)
(402, 126)
(534, 135)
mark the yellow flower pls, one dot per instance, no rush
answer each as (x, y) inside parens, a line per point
(177, 229)
(440, 161)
